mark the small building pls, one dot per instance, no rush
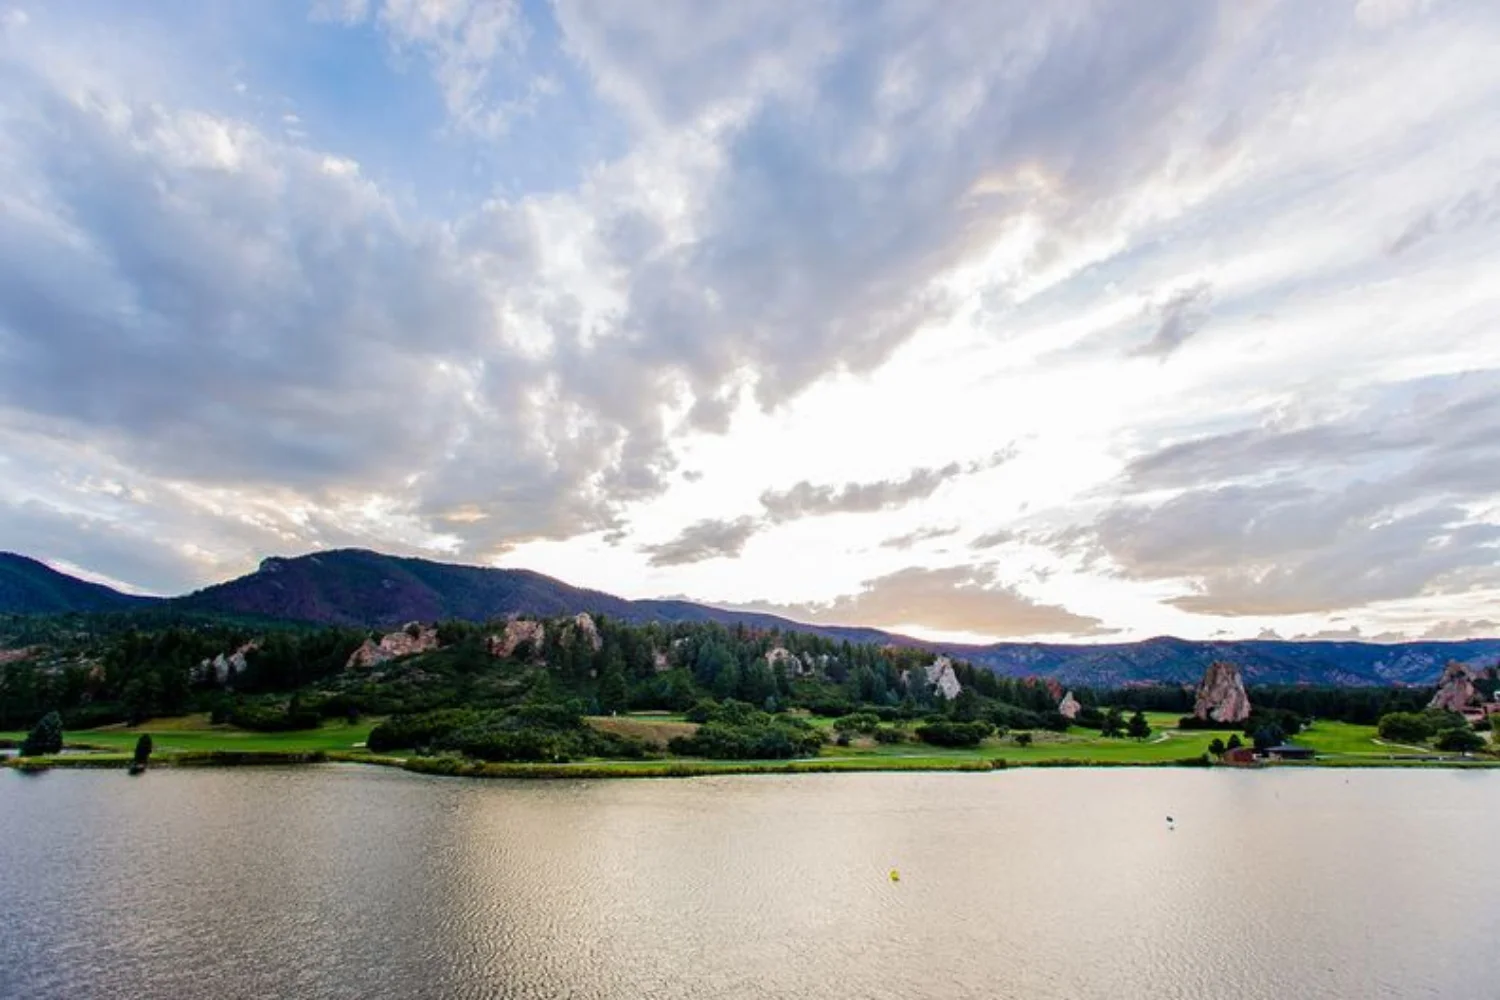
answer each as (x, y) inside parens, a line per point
(1241, 756)
(1288, 751)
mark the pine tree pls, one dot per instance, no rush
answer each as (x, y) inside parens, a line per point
(1139, 728)
(1114, 723)
(46, 737)
(614, 696)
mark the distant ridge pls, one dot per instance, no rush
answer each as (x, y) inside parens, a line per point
(30, 587)
(359, 588)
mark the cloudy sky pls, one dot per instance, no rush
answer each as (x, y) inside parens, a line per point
(973, 319)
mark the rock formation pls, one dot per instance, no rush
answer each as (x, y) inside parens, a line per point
(941, 676)
(1456, 691)
(223, 669)
(585, 624)
(792, 662)
(518, 631)
(1068, 708)
(1221, 694)
(414, 638)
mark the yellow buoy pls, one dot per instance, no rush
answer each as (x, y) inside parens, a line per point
(895, 875)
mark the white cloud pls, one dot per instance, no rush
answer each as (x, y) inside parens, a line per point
(787, 248)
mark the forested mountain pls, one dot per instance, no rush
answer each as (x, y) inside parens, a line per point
(360, 589)
(30, 587)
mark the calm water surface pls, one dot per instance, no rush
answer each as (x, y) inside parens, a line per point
(357, 882)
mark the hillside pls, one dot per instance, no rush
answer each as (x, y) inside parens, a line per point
(362, 589)
(29, 587)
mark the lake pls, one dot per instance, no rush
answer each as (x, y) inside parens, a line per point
(345, 881)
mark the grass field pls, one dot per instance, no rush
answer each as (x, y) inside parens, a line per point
(192, 739)
(194, 733)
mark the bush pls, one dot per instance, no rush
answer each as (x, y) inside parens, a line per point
(889, 734)
(738, 732)
(527, 733)
(1459, 739)
(702, 710)
(860, 722)
(1288, 722)
(264, 718)
(408, 732)
(954, 734)
(1406, 727)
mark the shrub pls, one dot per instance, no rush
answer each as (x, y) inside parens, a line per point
(1406, 727)
(265, 718)
(738, 732)
(407, 732)
(859, 722)
(954, 734)
(889, 734)
(1459, 739)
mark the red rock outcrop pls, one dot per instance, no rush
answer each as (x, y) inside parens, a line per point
(1456, 691)
(414, 638)
(585, 624)
(1221, 694)
(517, 631)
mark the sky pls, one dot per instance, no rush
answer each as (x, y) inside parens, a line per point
(978, 320)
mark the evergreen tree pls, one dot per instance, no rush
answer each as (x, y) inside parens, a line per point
(46, 737)
(759, 683)
(1114, 723)
(1139, 728)
(143, 749)
(727, 681)
(614, 696)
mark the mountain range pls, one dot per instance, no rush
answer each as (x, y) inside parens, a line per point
(353, 587)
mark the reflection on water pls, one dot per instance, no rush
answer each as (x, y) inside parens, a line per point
(352, 882)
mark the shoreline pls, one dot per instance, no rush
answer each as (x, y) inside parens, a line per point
(679, 768)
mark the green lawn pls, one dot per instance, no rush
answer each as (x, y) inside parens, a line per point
(1344, 738)
(170, 736)
(1342, 743)
(1076, 744)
